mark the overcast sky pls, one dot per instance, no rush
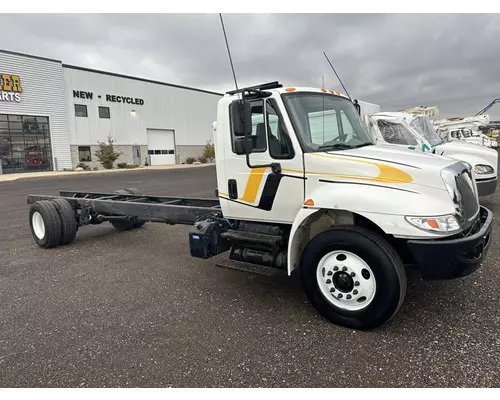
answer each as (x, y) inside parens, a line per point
(394, 60)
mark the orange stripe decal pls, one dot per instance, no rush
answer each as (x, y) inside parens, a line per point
(253, 184)
(387, 173)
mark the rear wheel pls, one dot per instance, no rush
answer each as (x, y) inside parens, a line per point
(68, 220)
(353, 277)
(45, 224)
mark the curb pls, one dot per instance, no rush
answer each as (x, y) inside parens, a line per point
(58, 174)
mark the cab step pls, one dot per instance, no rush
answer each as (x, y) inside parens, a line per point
(252, 268)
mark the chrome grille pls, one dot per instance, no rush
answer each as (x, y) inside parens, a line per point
(468, 198)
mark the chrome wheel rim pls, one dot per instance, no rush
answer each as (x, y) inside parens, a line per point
(346, 280)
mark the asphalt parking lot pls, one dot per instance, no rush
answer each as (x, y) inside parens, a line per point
(133, 309)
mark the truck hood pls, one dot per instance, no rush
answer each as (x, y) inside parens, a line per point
(450, 149)
(381, 164)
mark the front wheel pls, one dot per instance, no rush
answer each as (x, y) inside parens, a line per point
(353, 277)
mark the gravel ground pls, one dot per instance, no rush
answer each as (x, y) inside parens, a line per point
(133, 309)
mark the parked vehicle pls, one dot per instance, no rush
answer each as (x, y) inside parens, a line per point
(416, 132)
(311, 195)
(468, 129)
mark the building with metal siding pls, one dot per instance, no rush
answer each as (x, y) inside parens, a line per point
(34, 133)
(164, 123)
(149, 121)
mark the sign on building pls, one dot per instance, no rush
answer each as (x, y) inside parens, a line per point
(10, 87)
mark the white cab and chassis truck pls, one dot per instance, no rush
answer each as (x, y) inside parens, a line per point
(297, 195)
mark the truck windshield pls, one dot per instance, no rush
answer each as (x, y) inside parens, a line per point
(326, 122)
(424, 127)
(396, 133)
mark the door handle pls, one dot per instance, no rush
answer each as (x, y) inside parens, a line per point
(232, 187)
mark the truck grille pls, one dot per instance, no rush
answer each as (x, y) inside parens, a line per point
(468, 199)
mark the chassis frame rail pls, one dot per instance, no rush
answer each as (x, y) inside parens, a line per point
(171, 210)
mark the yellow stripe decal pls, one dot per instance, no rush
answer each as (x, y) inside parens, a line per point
(253, 184)
(387, 172)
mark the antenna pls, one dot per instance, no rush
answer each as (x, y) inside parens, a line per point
(338, 77)
(228, 51)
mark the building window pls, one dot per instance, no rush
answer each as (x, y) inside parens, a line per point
(25, 143)
(80, 110)
(84, 154)
(104, 112)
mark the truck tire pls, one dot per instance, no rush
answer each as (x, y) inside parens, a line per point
(353, 277)
(68, 220)
(138, 193)
(124, 224)
(45, 224)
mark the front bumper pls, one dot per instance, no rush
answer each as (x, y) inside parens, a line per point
(486, 187)
(454, 258)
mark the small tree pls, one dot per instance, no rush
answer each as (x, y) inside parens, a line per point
(106, 153)
(209, 152)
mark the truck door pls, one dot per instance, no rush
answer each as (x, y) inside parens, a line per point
(259, 194)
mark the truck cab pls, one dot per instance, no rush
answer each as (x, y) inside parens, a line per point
(416, 132)
(302, 162)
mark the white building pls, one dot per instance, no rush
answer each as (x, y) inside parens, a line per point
(53, 115)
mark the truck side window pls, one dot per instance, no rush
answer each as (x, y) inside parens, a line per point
(258, 127)
(395, 133)
(280, 146)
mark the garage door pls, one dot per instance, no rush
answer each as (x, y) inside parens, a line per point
(161, 146)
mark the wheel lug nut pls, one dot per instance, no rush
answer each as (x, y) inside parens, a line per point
(353, 274)
(354, 291)
(340, 295)
(328, 281)
(348, 296)
(332, 289)
(329, 273)
(335, 268)
(356, 283)
(344, 269)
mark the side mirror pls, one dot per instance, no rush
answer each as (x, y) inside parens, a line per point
(243, 146)
(241, 117)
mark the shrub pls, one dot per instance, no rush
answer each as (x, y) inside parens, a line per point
(121, 165)
(190, 160)
(68, 169)
(106, 154)
(209, 152)
(129, 166)
(86, 167)
(95, 169)
(202, 159)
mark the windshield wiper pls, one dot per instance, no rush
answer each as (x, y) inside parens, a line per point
(362, 145)
(340, 146)
(343, 146)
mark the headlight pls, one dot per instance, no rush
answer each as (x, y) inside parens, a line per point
(441, 224)
(482, 169)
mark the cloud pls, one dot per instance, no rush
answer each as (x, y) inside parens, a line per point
(395, 60)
